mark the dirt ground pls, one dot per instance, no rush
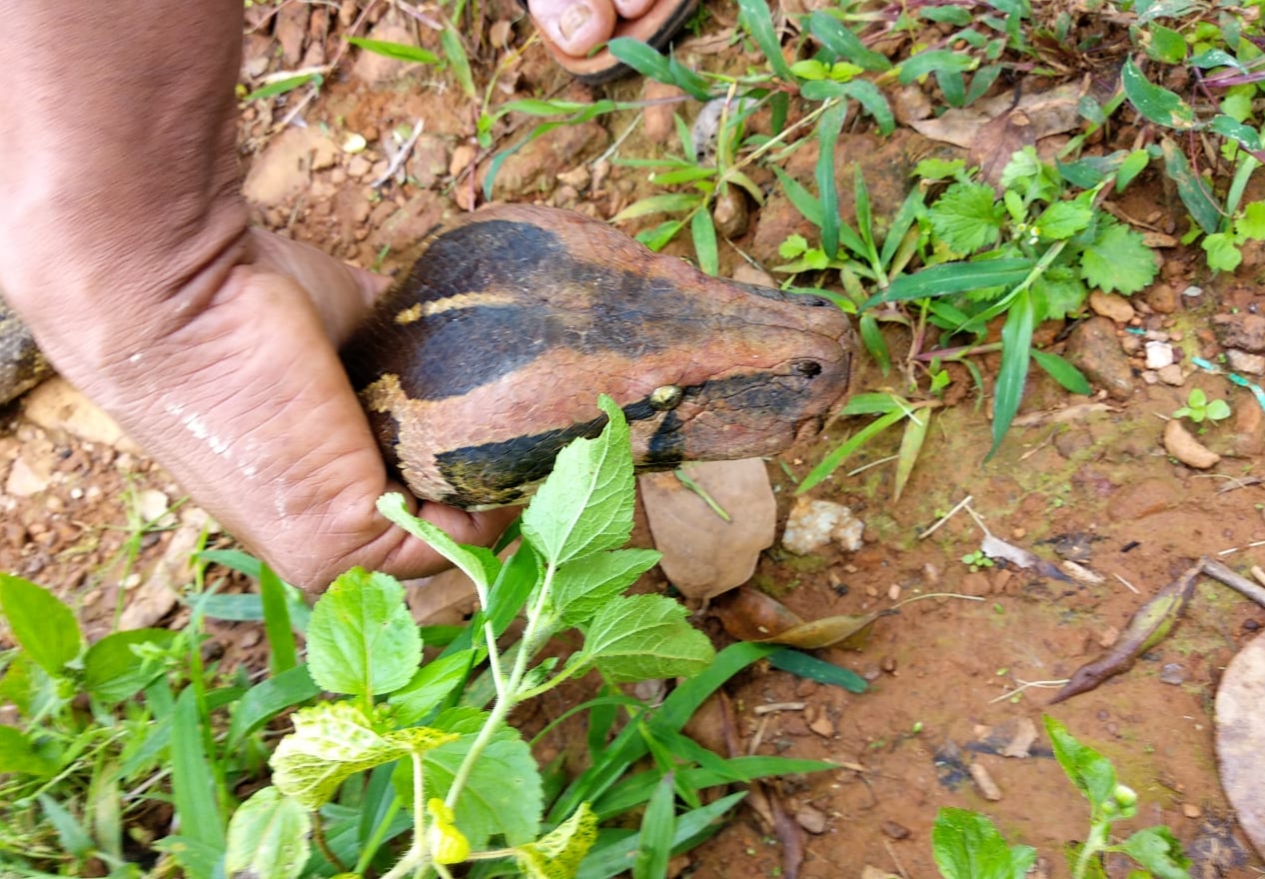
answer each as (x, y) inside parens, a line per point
(1086, 480)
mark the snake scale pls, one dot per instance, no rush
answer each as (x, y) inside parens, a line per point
(488, 356)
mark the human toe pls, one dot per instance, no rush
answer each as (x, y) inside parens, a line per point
(576, 27)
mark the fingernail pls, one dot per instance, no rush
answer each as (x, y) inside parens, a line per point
(573, 19)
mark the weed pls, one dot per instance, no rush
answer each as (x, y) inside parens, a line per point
(977, 560)
(966, 845)
(1199, 408)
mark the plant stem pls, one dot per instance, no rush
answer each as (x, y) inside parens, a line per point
(417, 857)
(1096, 842)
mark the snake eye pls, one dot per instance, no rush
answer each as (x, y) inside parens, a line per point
(666, 397)
(806, 368)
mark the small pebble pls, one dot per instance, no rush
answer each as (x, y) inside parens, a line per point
(1190, 810)
(1158, 355)
(894, 830)
(1171, 375)
(1173, 673)
(1192, 291)
(811, 819)
(893, 592)
(984, 781)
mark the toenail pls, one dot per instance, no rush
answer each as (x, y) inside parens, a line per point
(575, 17)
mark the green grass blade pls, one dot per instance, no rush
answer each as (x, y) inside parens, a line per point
(267, 699)
(867, 326)
(193, 779)
(642, 58)
(1063, 372)
(277, 621)
(1016, 344)
(954, 277)
(810, 667)
(901, 224)
(910, 446)
(838, 456)
(828, 127)
(614, 850)
(654, 841)
(398, 51)
(455, 52)
(845, 45)
(755, 17)
(281, 86)
(703, 231)
(668, 202)
(803, 200)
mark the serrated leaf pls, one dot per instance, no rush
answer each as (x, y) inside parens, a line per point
(640, 637)
(1158, 850)
(1063, 219)
(44, 628)
(967, 217)
(1252, 223)
(398, 51)
(586, 504)
(1222, 253)
(503, 793)
(1061, 290)
(113, 670)
(267, 838)
(333, 741)
(557, 854)
(583, 587)
(1118, 260)
(966, 845)
(362, 640)
(1154, 102)
(476, 562)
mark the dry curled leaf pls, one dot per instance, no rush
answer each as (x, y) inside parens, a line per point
(753, 616)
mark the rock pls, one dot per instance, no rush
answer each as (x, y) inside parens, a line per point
(285, 166)
(984, 782)
(1193, 292)
(1109, 305)
(1158, 355)
(156, 595)
(533, 167)
(428, 162)
(657, 116)
(703, 555)
(57, 405)
(813, 524)
(823, 726)
(731, 214)
(1173, 673)
(1094, 349)
(1179, 443)
(1241, 738)
(28, 476)
(746, 273)
(1171, 375)
(811, 819)
(153, 506)
(1248, 364)
(290, 27)
(1243, 330)
(894, 831)
(1162, 298)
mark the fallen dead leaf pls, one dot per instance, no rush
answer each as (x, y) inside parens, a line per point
(1241, 738)
(750, 615)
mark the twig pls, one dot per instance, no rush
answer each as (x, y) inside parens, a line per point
(1235, 581)
(1232, 550)
(891, 853)
(1023, 685)
(946, 517)
(778, 706)
(865, 467)
(1130, 586)
(401, 154)
(978, 521)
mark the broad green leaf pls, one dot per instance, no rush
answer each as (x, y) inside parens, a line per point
(1091, 772)
(828, 128)
(268, 837)
(1118, 260)
(1133, 165)
(862, 91)
(654, 840)
(754, 16)
(557, 854)
(476, 562)
(1165, 44)
(586, 504)
(639, 637)
(1063, 372)
(1016, 344)
(704, 233)
(334, 740)
(1155, 103)
(642, 58)
(19, 755)
(1063, 219)
(113, 670)
(935, 61)
(966, 845)
(430, 686)
(1246, 135)
(967, 217)
(836, 37)
(1252, 223)
(193, 788)
(805, 666)
(362, 641)
(398, 51)
(1191, 188)
(267, 699)
(503, 793)
(44, 628)
(1061, 290)
(1158, 850)
(1223, 253)
(583, 587)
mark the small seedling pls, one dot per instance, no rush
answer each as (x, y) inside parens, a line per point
(1199, 408)
(977, 560)
(966, 845)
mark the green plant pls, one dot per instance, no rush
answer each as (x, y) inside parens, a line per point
(966, 845)
(1199, 408)
(976, 560)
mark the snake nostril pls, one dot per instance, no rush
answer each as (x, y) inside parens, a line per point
(806, 368)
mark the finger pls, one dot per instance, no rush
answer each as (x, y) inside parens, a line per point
(576, 27)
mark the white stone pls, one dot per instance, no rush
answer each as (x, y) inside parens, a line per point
(1158, 355)
(813, 524)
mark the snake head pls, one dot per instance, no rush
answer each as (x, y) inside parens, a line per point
(488, 357)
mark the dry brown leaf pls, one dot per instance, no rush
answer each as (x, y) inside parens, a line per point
(1241, 739)
(753, 616)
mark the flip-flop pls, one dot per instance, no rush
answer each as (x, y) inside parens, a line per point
(656, 28)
